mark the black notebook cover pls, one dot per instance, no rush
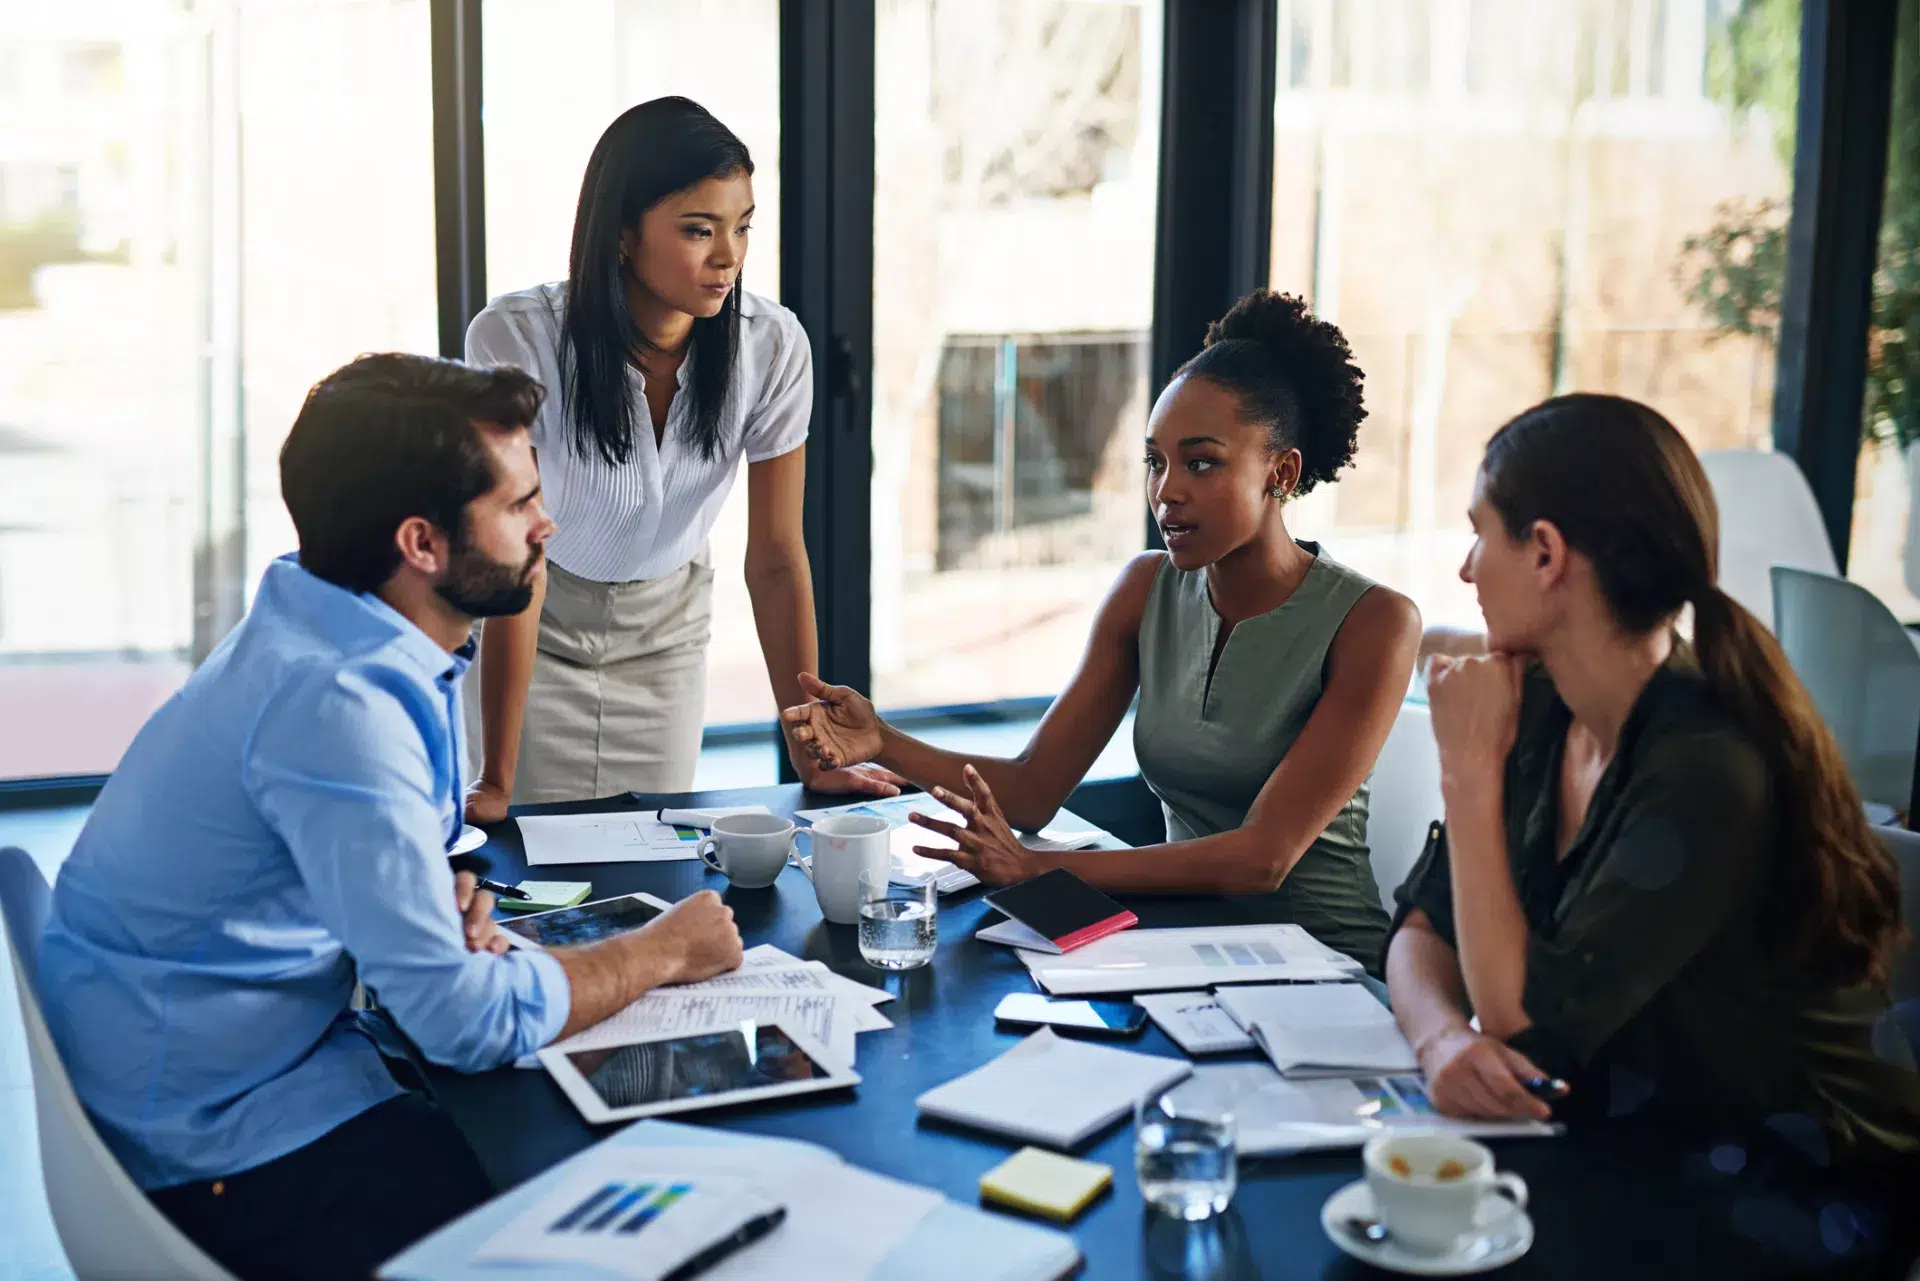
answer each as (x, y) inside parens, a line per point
(1063, 908)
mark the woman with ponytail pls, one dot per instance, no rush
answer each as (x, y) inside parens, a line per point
(1267, 673)
(1656, 882)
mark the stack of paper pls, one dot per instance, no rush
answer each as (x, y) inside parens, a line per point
(842, 1223)
(1158, 960)
(1069, 832)
(634, 1213)
(1052, 1090)
(1273, 1115)
(1321, 1029)
(770, 984)
(631, 836)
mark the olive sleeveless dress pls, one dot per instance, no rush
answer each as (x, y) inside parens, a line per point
(1207, 743)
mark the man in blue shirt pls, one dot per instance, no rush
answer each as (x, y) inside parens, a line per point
(279, 829)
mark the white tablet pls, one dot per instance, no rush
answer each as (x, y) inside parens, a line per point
(583, 922)
(684, 1071)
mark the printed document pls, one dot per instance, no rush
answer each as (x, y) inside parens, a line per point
(1159, 960)
(629, 837)
(1274, 1116)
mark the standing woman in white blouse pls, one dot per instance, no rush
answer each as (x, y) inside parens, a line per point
(661, 374)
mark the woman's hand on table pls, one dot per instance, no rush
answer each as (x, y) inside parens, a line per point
(987, 845)
(859, 780)
(487, 802)
(1476, 1076)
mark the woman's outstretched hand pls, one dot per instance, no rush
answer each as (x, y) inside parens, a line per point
(838, 729)
(987, 844)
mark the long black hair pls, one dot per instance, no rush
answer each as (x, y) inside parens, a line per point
(647, 154)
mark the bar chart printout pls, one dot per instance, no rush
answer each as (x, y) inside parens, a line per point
(620, 1207)
(636, 1218)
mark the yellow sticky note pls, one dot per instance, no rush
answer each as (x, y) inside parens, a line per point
(1042, 1182)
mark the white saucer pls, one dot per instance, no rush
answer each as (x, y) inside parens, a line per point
(1476, 1254)
(470, 839)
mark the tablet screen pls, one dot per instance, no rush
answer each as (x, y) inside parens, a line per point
(707, 1063)
(588, 923)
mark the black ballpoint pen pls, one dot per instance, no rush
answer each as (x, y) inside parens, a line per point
(501, 891)
(745, 1235)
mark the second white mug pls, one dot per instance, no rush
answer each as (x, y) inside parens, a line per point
(748, 849)
(844, 845)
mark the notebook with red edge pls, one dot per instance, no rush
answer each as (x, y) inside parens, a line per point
(1059, 911)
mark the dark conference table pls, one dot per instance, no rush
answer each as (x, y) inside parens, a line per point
(1615, 1202)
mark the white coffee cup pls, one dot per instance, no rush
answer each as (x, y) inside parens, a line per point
(1428, 1214)
(844, 845)
(748, 849)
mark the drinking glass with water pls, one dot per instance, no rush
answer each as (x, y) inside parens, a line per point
(1183, 1150)
(899, 924)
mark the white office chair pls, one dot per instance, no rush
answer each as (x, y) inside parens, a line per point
(1863, 672)
(110, 1231)
(1768, 517)
(1406, 798)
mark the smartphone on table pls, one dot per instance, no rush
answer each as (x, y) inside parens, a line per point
(1101, 1018)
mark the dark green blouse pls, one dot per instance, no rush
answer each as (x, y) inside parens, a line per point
(1653, 983)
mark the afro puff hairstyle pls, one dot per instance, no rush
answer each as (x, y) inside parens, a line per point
(1294, 374)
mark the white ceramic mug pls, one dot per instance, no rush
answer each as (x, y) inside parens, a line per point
(1428, 1214)
(748, 849)
(844, 845)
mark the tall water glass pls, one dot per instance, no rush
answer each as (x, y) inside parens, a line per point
(1183, 1150)
(899, 924)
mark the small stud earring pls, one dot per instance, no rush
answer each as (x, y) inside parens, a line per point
(1279, 491)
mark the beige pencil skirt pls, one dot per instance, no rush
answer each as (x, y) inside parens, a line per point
(619, 690)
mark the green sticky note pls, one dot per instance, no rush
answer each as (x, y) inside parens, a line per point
(548, 895)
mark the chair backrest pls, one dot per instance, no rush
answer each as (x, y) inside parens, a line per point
(110, 1231)
(1406, 798)
(1768, 517)
(1905, 848)
(1863, 671)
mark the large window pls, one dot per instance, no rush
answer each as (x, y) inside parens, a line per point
(1503, 200)
(1016, 152)
(1886, 540)
(555, 74)
(202, 210)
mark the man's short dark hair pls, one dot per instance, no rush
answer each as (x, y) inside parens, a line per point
(386, 438)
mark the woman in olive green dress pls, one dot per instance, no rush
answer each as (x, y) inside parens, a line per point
(1268, 674)
(1656, 881)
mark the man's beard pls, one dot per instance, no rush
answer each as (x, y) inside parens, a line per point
(483, 588)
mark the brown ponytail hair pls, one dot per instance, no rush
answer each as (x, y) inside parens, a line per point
(1625, 490)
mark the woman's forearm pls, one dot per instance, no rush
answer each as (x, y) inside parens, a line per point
(1488, 923)
(780, 585)
(1028, 801)
(1236, 862)
(1423, 980)
(507, 648)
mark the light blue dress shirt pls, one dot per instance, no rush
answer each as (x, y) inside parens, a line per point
(277, 828)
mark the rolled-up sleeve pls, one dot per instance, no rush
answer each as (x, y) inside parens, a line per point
(1429, 887)
(338, 766)
(1686, 854)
